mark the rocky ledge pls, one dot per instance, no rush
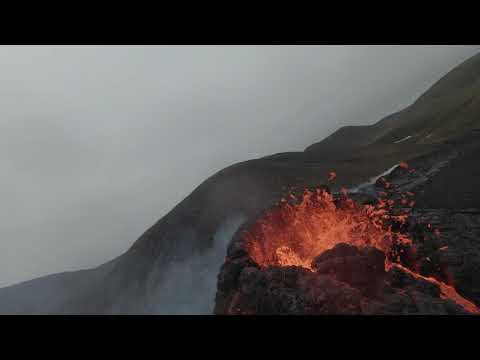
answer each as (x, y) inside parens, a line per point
(345, 280)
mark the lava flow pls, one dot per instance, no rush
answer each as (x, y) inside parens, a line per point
(297, 231)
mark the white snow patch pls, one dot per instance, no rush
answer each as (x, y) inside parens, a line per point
(372, 180)
(402, 140)
(385, 173)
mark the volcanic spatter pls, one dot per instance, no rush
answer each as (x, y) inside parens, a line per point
(325, 253)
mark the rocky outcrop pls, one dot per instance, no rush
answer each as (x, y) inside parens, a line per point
(344, 281)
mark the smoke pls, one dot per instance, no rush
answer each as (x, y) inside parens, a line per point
(188, 287)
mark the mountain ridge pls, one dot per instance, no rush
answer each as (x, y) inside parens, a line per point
(125, 285)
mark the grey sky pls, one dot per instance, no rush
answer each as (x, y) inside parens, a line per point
(99, 142)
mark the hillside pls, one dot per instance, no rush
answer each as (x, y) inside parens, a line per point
(443, 120)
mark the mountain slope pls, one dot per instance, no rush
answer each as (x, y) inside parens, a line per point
(449, 108)
(440, 119)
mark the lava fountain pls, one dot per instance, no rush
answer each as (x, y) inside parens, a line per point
(299, 229)
(296, 232)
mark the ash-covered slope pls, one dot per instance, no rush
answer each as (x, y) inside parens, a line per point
(172, 267)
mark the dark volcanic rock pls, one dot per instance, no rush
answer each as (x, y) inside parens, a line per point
(288, 290)
(361, 268)
(344, 280)
(445, 223)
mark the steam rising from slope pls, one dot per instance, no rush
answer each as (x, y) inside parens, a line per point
(188, 287)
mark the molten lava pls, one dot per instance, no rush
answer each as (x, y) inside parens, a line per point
(447, 291)
(295, 232)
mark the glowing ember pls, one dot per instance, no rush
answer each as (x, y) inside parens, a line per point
(384, 183)
(332, 176)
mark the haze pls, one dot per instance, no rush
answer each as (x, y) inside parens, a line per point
(99, 142)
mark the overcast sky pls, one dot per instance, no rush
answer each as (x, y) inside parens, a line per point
(98, 142)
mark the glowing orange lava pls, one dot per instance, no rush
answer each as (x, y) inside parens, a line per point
(295, 232)
(447, 291)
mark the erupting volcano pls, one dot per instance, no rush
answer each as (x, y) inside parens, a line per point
(349, 239)
(275, 234)
(294, 234)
